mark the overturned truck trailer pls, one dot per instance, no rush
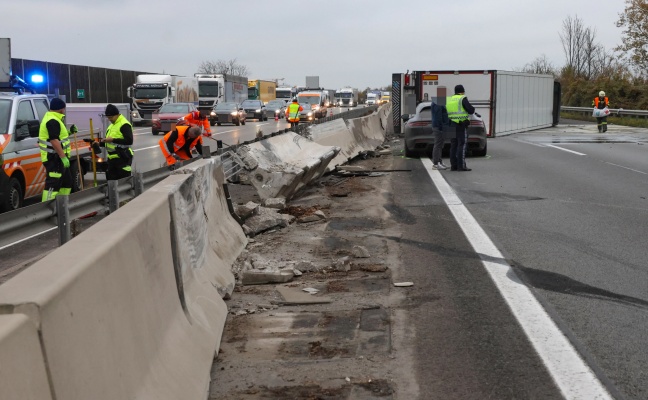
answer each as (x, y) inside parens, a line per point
(509, 102)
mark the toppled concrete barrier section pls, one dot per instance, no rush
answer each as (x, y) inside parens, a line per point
(133, 308)
(283, 164)
(353, 136)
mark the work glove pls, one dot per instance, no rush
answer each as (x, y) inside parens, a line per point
(96, 148)
(87, 140)
(207, 134)
(73, 129)
(66, 162)
(172, 167)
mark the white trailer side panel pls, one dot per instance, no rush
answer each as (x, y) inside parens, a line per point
(523, 102)
(5, 60)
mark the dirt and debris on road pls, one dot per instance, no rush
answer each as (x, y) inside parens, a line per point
(342, 349)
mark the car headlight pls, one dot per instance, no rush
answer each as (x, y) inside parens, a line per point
(259, 110)
(277, 111)
(233, 113)
(213, 113)
(310, 114)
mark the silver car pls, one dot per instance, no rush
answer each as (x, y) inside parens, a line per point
(276, 108)
(419, 138)
(228, 112)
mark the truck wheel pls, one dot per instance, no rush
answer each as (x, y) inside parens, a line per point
(237, 123)
(265, 117)
(13, 198)
(242, 122)
(155, 133)
(218, 124)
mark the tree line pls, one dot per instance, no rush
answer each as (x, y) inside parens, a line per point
(589, 67)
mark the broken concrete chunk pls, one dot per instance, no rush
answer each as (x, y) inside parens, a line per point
(320, 214)
(351, 168)
(295, 297)
(311, 290)
(306, 266)
(384, 152)
(308, 218)
(247, 210)
(360, 252)
(403, 284)
(266, 219)
(255, 277)
(342, 264)
(278, 203)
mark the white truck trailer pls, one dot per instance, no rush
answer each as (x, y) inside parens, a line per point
(152, 91)
(509, 102)
(218, 88)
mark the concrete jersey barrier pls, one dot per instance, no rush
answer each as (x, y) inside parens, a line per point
(281, 165)
(22, 368)
(132, 308)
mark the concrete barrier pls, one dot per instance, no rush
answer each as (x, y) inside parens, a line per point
(279, 166)
(352, 136)
(22, 369)
(132, 308)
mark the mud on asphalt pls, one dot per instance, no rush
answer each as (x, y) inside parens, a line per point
(344, 349)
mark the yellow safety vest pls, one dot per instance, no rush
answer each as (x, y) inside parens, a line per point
(455, 109)
(114, 131)
(44, 139)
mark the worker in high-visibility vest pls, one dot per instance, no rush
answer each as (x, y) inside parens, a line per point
(54, 143)
(118, 143)
(459, 109)
(601, 102)
(199, 119)
(179, 143)
(293, 113)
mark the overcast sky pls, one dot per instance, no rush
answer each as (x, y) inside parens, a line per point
(355, 43)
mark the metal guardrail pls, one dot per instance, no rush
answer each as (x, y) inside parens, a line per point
(615, 112)
(30, 221)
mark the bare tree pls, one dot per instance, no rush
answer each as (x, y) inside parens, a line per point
(540, 65)
(229, 67)
(585, 57)
(635, 35)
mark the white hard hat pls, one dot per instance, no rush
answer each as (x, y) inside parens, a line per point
(602, 93)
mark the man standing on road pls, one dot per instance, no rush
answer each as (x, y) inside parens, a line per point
(459, 108)
(179, 143)
(600, 103)
(199, 119)
(440, 122)
(54, 143)
(293, 113)
(118, 143)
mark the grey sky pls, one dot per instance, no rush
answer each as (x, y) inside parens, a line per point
(353, 42)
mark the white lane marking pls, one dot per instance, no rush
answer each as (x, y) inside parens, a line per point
(146, 148)
(569, 151)
(630, 169)
(27, 238)
(571, 374)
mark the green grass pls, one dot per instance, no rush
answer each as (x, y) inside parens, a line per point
(625, 121)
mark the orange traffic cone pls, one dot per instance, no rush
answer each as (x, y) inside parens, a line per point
(276, 117)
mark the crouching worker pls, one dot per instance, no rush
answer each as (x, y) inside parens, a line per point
(179, 143)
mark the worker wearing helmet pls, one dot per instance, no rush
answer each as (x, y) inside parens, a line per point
(601, 102)
(293, 113)
(179, 143)
(54, 143)
(199, 119)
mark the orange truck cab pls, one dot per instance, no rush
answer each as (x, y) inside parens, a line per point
(22, 174)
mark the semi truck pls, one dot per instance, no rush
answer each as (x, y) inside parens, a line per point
(509, 102)
(262, 90)
(373, 97)
(219, 88)
(286, 93)
(152, 91)
(347, 97)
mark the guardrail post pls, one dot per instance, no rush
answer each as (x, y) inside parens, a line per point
(113, 195)
(63, 219)
(138, 183)
(219, 147)
(206, 153)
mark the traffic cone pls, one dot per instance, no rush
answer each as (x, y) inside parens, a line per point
(276, 117)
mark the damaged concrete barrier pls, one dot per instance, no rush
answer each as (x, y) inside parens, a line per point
(133, 308)
(352, 136)
(279, 166)
(22, 367)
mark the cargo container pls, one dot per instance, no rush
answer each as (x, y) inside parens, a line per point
(218, 88)
(262, 90)
(509, 102)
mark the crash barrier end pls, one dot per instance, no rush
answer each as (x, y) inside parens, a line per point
(132, 308)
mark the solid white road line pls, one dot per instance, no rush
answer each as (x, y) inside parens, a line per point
(569, 151)
(629, 169)
(571, 374)
(27, 238)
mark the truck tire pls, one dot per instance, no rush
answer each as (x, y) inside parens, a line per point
(13, 198)
(243, 122)
(155, 133)
(218, 124)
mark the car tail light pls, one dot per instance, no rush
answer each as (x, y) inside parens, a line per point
(418, 123)
(476, 123)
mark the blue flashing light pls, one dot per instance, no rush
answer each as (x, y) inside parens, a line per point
(37, 78)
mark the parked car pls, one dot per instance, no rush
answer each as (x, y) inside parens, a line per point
(419, 138)
(276, 108)
(255, 109)
(166, 117)
(228, 113)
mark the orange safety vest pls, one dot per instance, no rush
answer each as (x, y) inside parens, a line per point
(204, 122)
(178, 145)
(596, 101)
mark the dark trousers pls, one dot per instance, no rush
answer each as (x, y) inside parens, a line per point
(116, 165)
(438, 146)
(294, 124)
(458, 148)
(57, 175)
(602, 124)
